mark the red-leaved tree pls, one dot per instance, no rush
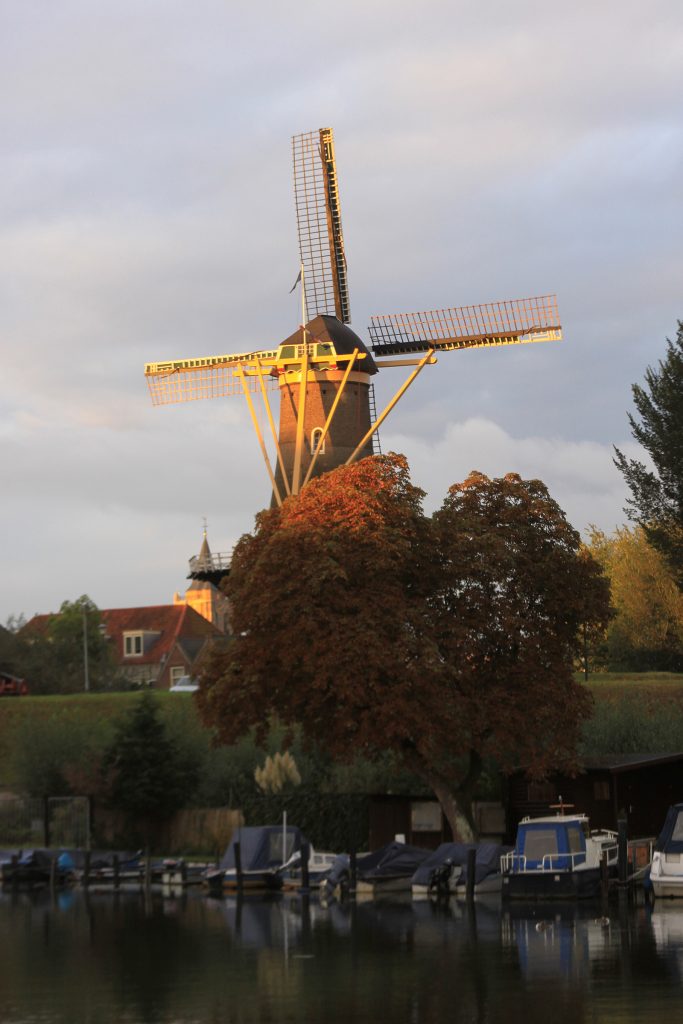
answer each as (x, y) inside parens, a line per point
(445, 639)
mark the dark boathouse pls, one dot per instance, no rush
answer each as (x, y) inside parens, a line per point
(641, 785)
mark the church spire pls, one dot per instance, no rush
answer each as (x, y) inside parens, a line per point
(204, 560)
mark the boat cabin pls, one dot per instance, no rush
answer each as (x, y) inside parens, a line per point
(550, 844)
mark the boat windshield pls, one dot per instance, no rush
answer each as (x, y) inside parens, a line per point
(275, 846)
(677, 834)
(538, 842)
(576, 844)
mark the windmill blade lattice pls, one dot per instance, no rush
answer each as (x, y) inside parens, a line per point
(495, 323)
(318, 216)
(188, 380)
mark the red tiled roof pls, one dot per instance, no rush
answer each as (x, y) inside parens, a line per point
(173, 623)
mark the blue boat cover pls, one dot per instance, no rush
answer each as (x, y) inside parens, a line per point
(670, 839)
(390, 861)
(261, 847)
(487, 862)
(394, 859)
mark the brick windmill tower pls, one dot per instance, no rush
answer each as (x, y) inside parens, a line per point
(324, 371)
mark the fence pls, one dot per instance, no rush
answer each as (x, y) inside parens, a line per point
(45, 821)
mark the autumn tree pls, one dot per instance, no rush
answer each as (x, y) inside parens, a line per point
(656, 502)
(443, 640)
(647, 628)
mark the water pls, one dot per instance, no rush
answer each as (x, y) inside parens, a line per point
(195, 960)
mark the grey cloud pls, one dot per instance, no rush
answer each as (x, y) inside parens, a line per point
(485, 151)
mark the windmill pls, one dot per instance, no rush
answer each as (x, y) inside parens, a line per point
(324, 371)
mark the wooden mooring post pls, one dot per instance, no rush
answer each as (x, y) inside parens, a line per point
(604, 876)
(471, 874)
(622, 851)
(238, 865)
(353, 870)
(305, 854)
(117, 870)
(86, 869)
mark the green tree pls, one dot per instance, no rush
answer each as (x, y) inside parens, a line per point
(146, 775)
(76, 627)
(52, 657)
(656, 502)
(57, 755)
(444, 641)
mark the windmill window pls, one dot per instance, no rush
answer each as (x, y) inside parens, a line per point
(316, 441)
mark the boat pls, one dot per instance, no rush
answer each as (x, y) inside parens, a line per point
(38, 867)
(263, 851)
(666, 871)
(557, 857)
(387, 870)
(444, 872)
(319, 863)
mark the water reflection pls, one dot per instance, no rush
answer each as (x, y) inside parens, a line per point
(187, 958)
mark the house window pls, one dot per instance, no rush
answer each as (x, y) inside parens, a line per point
(132, 644)
(601, 789)
(177, 673)
(425, 816)
(316, 437)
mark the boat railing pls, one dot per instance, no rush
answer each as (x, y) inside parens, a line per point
(516, 863)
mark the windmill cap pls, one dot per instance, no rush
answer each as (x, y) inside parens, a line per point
(328, 328)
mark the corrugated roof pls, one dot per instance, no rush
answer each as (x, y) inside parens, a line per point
(625, 762)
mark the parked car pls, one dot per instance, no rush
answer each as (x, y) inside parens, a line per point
(184, 685)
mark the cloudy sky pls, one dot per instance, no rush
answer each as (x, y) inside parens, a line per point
(486, 150)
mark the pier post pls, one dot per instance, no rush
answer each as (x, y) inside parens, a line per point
(53, 874)
(46, 822)
(86, 868)
(604, 876)
(305, 854)
(352, 870)
(116, 866)
(622, 851)
(471, 874)
(238, 866)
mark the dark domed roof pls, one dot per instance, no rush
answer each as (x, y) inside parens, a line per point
(328, 328)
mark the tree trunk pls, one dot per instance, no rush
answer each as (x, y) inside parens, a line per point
(461, 828)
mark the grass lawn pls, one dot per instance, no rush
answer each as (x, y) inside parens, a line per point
(653, 688)
(78, 707)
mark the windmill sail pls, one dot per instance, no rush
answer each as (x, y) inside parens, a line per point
(188, 380)
(495, 323)
(318, 216)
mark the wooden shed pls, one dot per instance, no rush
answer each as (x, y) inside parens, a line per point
(642, 785)
(420, 820)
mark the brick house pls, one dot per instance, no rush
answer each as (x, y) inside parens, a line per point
(152, 646)
(156, 646)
